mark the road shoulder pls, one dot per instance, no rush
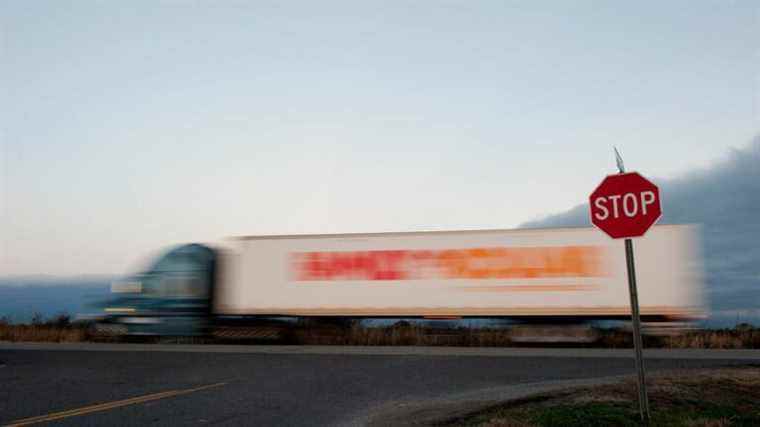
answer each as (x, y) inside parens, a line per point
(751, 355)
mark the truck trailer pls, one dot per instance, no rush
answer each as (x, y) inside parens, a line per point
(561, 275)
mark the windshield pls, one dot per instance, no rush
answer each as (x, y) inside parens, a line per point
(181, 273)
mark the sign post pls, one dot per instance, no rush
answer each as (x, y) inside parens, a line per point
(637, 342)
(625, 206)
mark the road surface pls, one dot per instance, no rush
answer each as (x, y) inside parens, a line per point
(127, 384)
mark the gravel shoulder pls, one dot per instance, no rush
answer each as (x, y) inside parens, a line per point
(692, 354)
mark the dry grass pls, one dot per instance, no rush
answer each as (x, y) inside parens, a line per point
(704, 398)
(56, 329)
(743, 336)
(46, 333)
(61, 329)
(401, 334)
(506, 423)
(406, 334)
(720, 422)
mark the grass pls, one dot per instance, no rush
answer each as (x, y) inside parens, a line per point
(60, 328)
(404, 333)
(740, 336)
(56, 329)
(714, 397)
(400, 334)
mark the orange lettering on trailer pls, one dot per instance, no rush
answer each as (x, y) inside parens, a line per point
(471, 263)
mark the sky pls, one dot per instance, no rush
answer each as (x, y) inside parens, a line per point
(129, 126)
(724, 199)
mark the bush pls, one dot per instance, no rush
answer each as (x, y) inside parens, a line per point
(37, 319)
(61, 320)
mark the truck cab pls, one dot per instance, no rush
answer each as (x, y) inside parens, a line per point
(173, 297)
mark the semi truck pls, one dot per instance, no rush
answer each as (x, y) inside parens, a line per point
(546, 276)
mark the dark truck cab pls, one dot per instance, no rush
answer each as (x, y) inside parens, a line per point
(173, 297)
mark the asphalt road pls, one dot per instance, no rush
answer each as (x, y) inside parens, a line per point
(90, 384)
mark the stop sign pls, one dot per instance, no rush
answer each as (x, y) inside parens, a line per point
(625, 205)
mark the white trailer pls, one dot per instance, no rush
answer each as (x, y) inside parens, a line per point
(525, 273)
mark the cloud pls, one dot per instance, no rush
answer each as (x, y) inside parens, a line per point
(725, 200)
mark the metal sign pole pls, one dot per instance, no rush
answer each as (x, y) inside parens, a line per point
(637, 342)
(635, 319)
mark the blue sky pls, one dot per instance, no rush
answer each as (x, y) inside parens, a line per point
(128, 126)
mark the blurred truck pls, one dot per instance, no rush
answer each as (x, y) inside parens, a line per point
(540, 276)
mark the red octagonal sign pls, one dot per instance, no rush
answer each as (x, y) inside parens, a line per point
(625, 205)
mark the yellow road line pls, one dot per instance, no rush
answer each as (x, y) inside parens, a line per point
(107, 405)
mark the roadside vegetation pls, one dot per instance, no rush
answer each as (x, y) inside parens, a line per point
(61, 328)
(740, 336)
(707, 398)
(743, 336)
(55, 329)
